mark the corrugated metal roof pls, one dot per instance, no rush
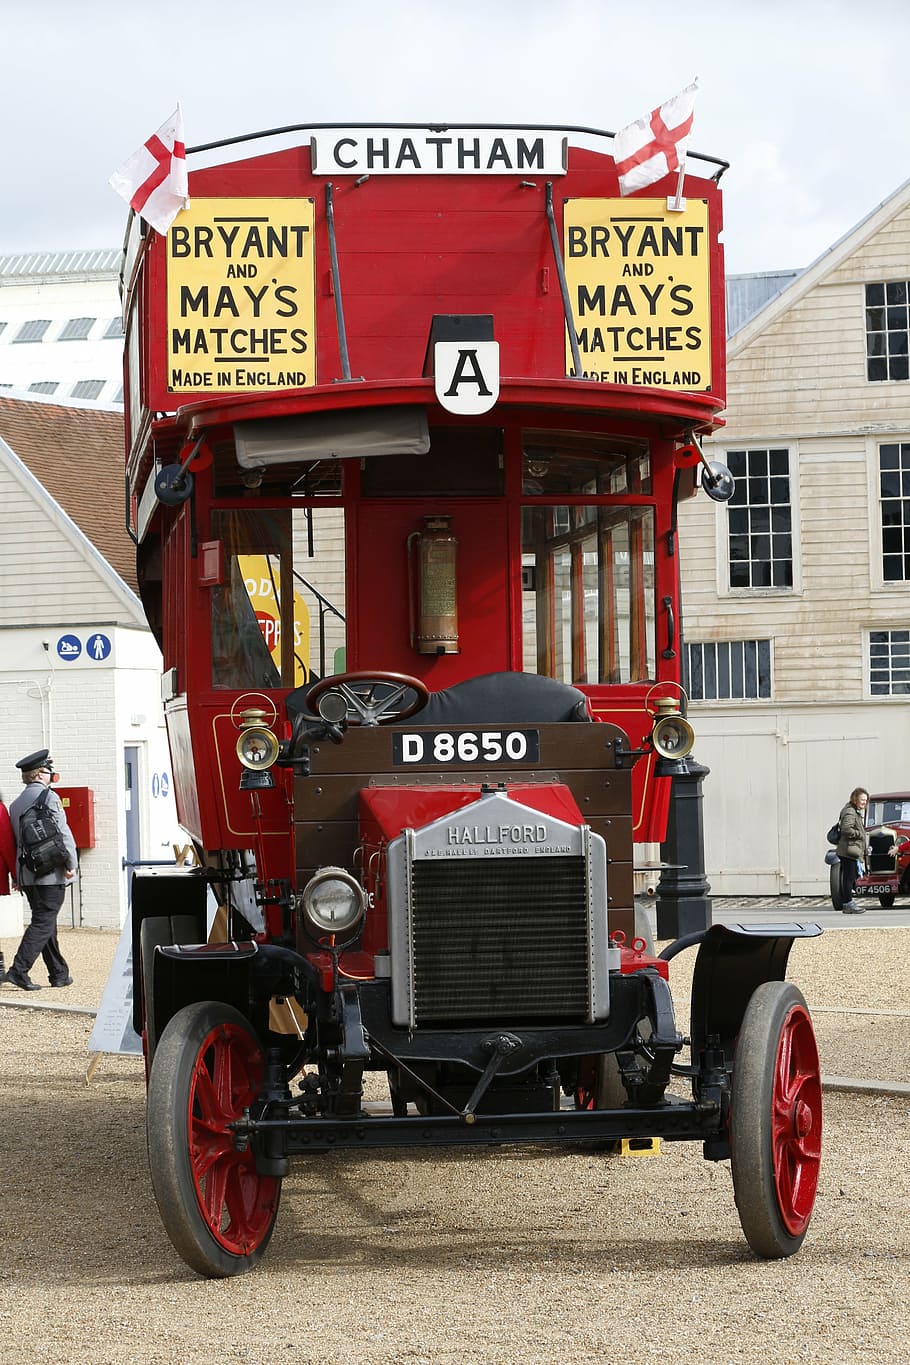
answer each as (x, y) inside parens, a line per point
(748, 294)
(33, 265)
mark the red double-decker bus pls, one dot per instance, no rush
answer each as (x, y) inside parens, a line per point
(410, 413)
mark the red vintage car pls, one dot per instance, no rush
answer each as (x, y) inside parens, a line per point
(887, 875)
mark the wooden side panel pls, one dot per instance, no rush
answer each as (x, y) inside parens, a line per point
(578, 755)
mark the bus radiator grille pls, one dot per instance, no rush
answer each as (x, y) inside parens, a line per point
(500, 939)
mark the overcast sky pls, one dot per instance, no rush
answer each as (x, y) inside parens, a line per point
(807, 100)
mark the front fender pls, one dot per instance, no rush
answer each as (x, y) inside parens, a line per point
(244, 974)
(732, 961)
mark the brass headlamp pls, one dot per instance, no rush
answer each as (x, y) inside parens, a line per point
(257, 748)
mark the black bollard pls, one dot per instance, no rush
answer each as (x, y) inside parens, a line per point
(683, 903)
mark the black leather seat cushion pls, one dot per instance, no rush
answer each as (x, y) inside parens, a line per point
(504, 699)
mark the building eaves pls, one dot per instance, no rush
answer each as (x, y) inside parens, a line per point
(821, 267)
(77, 537)
(748, 294)
(37, 267)
(76, 455)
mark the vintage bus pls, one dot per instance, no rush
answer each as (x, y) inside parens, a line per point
(410, 412)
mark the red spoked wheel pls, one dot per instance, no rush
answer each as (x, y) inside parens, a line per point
(776, 1120)
(218, 1211)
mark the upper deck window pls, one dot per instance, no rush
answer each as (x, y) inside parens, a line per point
(568, 463)
(460, 463)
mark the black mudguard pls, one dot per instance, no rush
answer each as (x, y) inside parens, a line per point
(732, 961)
(245, 975)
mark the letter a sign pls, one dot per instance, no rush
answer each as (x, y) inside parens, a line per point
(467, 375)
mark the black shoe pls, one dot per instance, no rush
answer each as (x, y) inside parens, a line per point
(25, 983)
(67, 981)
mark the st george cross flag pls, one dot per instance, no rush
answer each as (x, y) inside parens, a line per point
(653, 147)
(153, 181)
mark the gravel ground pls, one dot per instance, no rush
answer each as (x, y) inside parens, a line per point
(519, 1257)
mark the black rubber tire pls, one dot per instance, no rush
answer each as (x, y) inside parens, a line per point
(775, 1120)
(156, 931)
(609, 1092)
(886, 902)
(230, 1237)
(836, 879)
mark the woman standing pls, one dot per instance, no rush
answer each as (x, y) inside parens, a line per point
(852, 847)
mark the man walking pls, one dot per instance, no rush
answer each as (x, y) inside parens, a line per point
(45, 893)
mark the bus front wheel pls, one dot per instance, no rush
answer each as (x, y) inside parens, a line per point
(775, 1120)
(217, 1209)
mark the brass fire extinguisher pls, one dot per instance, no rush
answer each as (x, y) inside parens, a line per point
(432, 590)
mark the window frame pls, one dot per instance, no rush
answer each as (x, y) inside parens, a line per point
(80, 332)
(890, 696)
(901, 358)
(20, 340)
(876, 538)
(722, 522)
(757, 700)
(88, 397)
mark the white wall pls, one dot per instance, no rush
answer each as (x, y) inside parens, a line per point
(58, 298)
(86, 711)
(779, 777)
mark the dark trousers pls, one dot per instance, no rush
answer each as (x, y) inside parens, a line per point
(41, 935)
(849, 874)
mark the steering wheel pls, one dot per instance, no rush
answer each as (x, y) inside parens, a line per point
(359, 691)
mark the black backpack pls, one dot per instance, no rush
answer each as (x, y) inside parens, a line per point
(41, 845)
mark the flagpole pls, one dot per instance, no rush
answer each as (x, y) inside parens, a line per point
(676, 204)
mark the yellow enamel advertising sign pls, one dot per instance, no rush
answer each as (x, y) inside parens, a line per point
(639, 283)
(260, 577)
(241, 296)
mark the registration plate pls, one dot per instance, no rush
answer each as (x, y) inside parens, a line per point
(441, 748)
(876, 889)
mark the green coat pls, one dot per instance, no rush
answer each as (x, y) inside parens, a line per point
(852, 842)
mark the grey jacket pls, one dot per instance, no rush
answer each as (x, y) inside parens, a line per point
(26, 798)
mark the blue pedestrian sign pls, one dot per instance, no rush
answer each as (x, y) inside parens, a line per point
(69, 647)
(98, 647)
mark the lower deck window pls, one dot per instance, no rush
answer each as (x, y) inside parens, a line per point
(588, 593)
(278, 615)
